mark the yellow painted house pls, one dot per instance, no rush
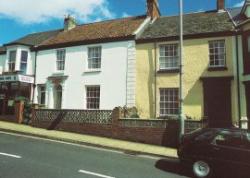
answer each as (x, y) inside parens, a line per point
(210, 70)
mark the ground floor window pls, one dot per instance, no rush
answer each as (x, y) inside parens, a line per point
(42, 94)
(93, 97)
(169, 101)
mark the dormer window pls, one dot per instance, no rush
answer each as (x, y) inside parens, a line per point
(24, 58)
(12, 61)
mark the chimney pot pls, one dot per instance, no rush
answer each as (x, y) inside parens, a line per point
(153, 9)
(69, 23)
(220, 5)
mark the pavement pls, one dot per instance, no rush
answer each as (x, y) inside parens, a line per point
(126, 146)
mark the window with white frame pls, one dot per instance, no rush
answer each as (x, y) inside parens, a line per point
(94, 57)
(93, 97)
(217, 53)
(24, 58)
(60, 59)
(42, 94)
(12, 61)
(169, 57)
(169, 101)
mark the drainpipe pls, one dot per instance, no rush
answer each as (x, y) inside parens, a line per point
(155, 77)
(34, 85)
(181, 98)
(238, 79)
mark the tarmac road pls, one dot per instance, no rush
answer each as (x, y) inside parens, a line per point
(30, 157)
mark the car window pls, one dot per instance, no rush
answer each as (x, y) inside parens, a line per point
(205, 136)
(228, 138)
(248, 136)
(247, 140)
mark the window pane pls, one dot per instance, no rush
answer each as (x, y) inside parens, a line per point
(60, 61)
(42, 94)
(217, 53)
(94, 58)
(93, 97)
(169, 58)
(169, 103)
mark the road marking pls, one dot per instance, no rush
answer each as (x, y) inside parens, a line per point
(94, 174)
(10, 155)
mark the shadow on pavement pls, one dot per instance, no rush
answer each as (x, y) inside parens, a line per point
(173, 166)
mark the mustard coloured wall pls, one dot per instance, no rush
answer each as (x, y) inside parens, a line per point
(196, 62)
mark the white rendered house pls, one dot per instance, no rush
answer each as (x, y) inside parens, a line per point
(89, 66)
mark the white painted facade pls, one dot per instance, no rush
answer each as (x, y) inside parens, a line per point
(116, 76)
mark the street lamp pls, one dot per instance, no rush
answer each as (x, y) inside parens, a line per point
(181, 98)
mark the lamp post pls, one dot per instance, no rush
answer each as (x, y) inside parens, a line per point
(181, 99)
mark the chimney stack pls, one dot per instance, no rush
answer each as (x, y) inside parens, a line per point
(153, 9)
(220, 5)
(69, 23)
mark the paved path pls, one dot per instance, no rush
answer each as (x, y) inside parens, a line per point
(92, 140)
(27, 157)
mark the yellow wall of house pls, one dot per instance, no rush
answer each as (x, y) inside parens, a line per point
(196, 61)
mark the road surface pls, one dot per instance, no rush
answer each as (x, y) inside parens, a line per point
(30, 157)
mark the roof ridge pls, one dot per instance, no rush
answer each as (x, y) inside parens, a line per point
(110, 20)
(54, 30)
(191, 13)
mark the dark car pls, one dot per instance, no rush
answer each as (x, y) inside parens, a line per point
(211, 150)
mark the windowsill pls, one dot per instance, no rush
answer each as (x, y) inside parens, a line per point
(92, 70)
(58, 72)
(168, 116)
(217, 68)
(162, 71)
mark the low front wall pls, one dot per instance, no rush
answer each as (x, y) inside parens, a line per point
(157, 132)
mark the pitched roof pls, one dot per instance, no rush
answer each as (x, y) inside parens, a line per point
(109, 30)
(193, 24)
(236, 15)
(2, 50)
(35, 38)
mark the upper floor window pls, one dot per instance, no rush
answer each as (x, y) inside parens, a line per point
(217, 53)
(169, 56)
(93, 97)
(94, 57)
(169, 101)
(12, 61)
(60, 59)
(24, 58)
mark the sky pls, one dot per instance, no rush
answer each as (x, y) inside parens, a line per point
(21, 17)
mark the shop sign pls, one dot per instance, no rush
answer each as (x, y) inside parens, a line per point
(8, 78)
(16, 78)
(26, 79)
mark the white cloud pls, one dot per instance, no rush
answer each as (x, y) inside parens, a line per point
(239, 4)
(124, 14)
(40, 11)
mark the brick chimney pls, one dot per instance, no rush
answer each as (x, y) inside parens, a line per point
(69, 23)
(153, 10)
(220, 5)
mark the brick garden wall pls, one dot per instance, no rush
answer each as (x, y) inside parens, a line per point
(109, 124)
